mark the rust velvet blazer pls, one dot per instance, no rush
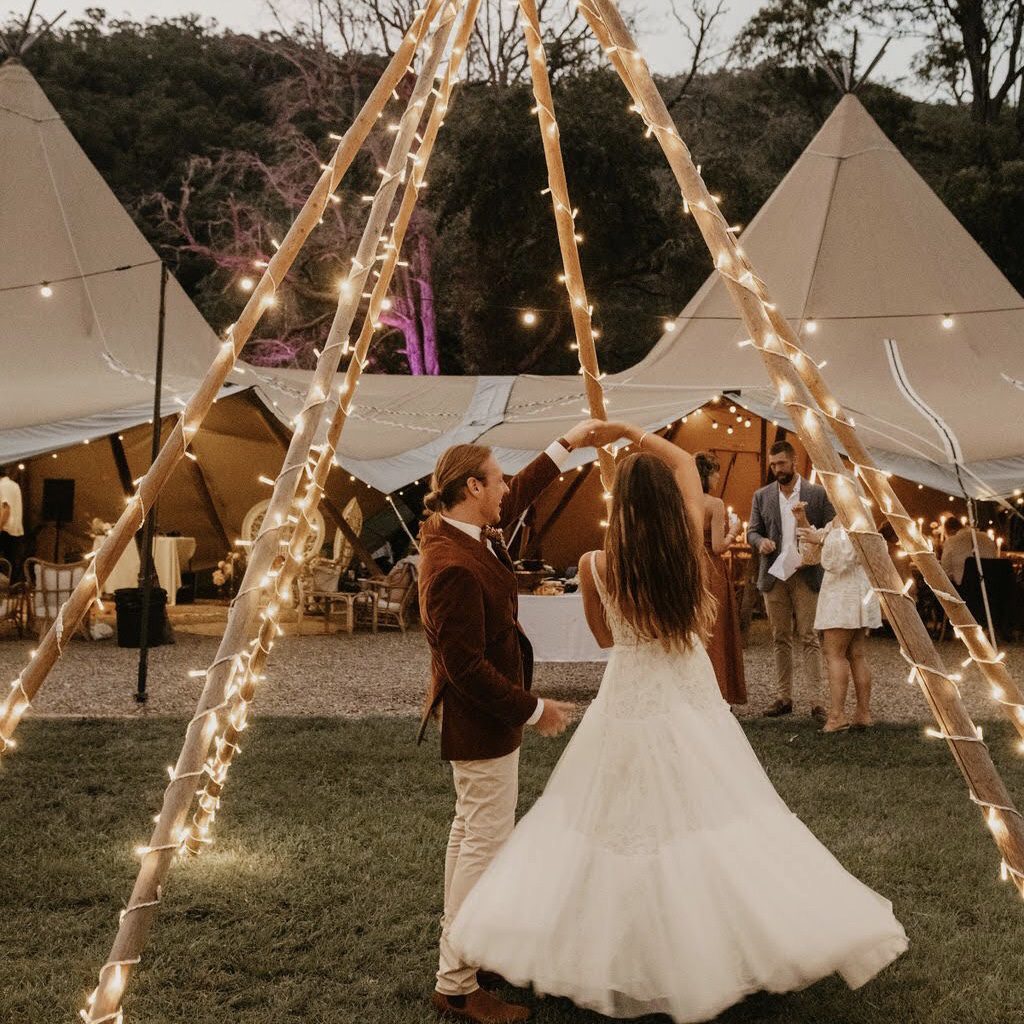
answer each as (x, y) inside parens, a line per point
(481, 661)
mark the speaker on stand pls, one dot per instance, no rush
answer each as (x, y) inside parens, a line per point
(58, 506)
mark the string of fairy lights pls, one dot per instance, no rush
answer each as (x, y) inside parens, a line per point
(280, 546)
(278, 543)
(177, 445)
(209, 800)
(731, 263)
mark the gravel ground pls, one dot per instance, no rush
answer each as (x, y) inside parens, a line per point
(362, 674)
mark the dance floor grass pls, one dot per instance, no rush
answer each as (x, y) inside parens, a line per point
(320, 901)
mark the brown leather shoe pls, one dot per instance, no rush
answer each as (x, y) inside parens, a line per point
(779, 708)
(819, 714)
(479, 1006)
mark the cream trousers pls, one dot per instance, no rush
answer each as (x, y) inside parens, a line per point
(486, 793)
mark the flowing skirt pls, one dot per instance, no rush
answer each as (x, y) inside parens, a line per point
(660, 872)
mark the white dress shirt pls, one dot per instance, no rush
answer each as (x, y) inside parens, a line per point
(558, 454)
(10, 495)
(789, 558)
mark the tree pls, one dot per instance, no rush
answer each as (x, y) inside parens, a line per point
(974, 49)
(229, 210)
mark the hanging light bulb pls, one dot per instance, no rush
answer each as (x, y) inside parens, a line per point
(670, 325)
(947, 322)
(247, 284)
(46, 291)
(529, 318)
(811, 327)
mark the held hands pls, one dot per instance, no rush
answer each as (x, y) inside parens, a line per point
(555, 718)
(594, 433)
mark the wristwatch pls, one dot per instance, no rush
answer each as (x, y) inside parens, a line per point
(565, 444)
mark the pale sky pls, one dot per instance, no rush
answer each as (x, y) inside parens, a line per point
(659, 35)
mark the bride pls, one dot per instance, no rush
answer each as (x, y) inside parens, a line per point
(660, 872)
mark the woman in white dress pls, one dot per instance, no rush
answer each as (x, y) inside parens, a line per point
(660, 872)
(847, 608)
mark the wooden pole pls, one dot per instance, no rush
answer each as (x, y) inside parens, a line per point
(227, 742)
(753, 302)
(361, 550)
(565, 222)
(281, 434)
(267, 557)
(205, 491)
(146, 570)
(72, 612)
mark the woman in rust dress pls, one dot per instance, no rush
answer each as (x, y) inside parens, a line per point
(725, 647)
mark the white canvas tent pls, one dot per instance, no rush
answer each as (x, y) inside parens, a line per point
(77, 365)
(78, 361)
(853, 238)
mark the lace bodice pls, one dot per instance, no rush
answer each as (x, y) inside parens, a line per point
(644, 679)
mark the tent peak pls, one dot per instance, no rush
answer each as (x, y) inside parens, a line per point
(843, 69)
(17, 43)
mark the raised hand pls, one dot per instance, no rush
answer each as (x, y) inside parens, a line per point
(595, 433)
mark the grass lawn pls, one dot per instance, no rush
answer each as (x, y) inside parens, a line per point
(320, 901)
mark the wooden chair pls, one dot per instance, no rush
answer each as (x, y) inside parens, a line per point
(318, 590)
(48, 586)
(12, 599)
(317, 580)
(393, 597)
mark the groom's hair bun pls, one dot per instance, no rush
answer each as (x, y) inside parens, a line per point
(451, 474)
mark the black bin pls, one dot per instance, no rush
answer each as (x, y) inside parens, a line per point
(128, 603)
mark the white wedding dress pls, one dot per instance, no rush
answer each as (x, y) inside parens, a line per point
(660, 872)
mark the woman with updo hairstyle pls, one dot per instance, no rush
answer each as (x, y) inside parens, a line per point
(725, 645)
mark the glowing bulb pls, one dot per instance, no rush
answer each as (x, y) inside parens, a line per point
(46, 291)
(247, 284)
(529, 318)
(947, 322)
(670, 325)
(811, 327)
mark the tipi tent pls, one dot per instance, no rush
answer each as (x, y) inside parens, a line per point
(79, 292)
(79, 306)
(923, 335)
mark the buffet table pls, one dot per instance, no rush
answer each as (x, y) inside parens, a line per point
(557, 628)
(169, 554)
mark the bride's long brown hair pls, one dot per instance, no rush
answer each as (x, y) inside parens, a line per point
(655, 565)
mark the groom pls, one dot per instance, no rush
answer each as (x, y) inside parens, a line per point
(482, 668)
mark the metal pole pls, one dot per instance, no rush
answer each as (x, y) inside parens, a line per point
(146, 563)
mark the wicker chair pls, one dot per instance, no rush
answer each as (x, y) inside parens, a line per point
(49, 585)
(393, 597)
(318, 590)
(12, 600)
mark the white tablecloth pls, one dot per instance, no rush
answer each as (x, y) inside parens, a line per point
(169, 553)
(558, 629)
